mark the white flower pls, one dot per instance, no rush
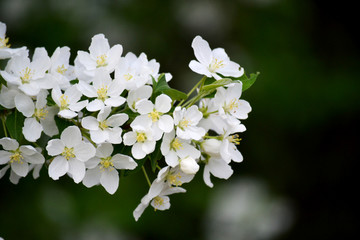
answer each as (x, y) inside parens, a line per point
(5, 50)
(103, 129)
(7, 95)
(161, 122)
(186, 121)
(100, 56)
(70, 154)
(174, 176)
(39, 117)
(231, 107)
(210, 62)
(18, 157)
(230, 139)
(68, 102)
(132, 72)
(102, 168)
(174, 148)
(217, 167)
(136, 95)
(141, 138)
(30, 77)
(104, 89)
(158, 196)
(60, 70)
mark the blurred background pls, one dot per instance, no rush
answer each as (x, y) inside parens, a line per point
(298, 177)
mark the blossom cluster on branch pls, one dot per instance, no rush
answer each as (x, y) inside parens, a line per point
(113, 114)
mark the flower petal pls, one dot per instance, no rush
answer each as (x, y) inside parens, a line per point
(110, 180)
(58, 167)
(76, 170)
(32, 129)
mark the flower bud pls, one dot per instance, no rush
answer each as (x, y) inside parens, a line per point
(189, 166)
(211, 146)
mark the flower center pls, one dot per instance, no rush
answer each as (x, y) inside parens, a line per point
(26, 75)
(64, 102)
(101, 61)
(215, 65)
(184, 123)
(234, 104)
(176, 144)
(102, 92)
(16, 157)
(154, 115)
(61, 69)
(103, 125)
(140, 137)
(68, 153)
(40, 113)
(128, 77)
(4, 43)
(106, 163)
(158, 201)
(174, 179)
(234, 139)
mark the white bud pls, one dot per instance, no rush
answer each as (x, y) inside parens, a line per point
(189, 166)
(211, 146)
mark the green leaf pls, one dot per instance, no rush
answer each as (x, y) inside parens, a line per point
(62, 123)
(155, 156)
(14, 125)
(216, 84)
(175, 94)
(248, 82)
(161, 86)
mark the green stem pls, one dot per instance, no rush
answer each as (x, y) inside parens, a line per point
(3, 123)
(202, 80)
(146, 176)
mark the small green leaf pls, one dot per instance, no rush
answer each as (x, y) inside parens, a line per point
(248, 82)
(62, 123)
(175, 94)
(155, 156)
(216, 84)
(14, 125)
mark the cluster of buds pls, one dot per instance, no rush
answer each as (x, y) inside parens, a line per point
(111, 114)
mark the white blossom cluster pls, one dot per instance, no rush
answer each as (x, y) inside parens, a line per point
(106, 115)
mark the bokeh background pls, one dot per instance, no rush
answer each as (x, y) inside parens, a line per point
(298, 179)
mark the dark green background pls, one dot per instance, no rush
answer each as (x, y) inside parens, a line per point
(301, 136)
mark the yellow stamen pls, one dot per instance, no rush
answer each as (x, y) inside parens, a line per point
(128, 76)
(16, 157)
(103, 125)
(61, 69)
(106, 163)
(68, 153)
(64, 102)
(176, 144)
(184, 123)
(26, 75)
(140, 137)
(234, 104)
(101, 61)
(174, 179)
(158, 201)
(4, 43)
(234, 139)
(215, 65)
(154, 115)
(102, 92)
(40, 113)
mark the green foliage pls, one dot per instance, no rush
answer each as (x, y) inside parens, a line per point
(248, 82)
(14, 125)
(161, 86)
